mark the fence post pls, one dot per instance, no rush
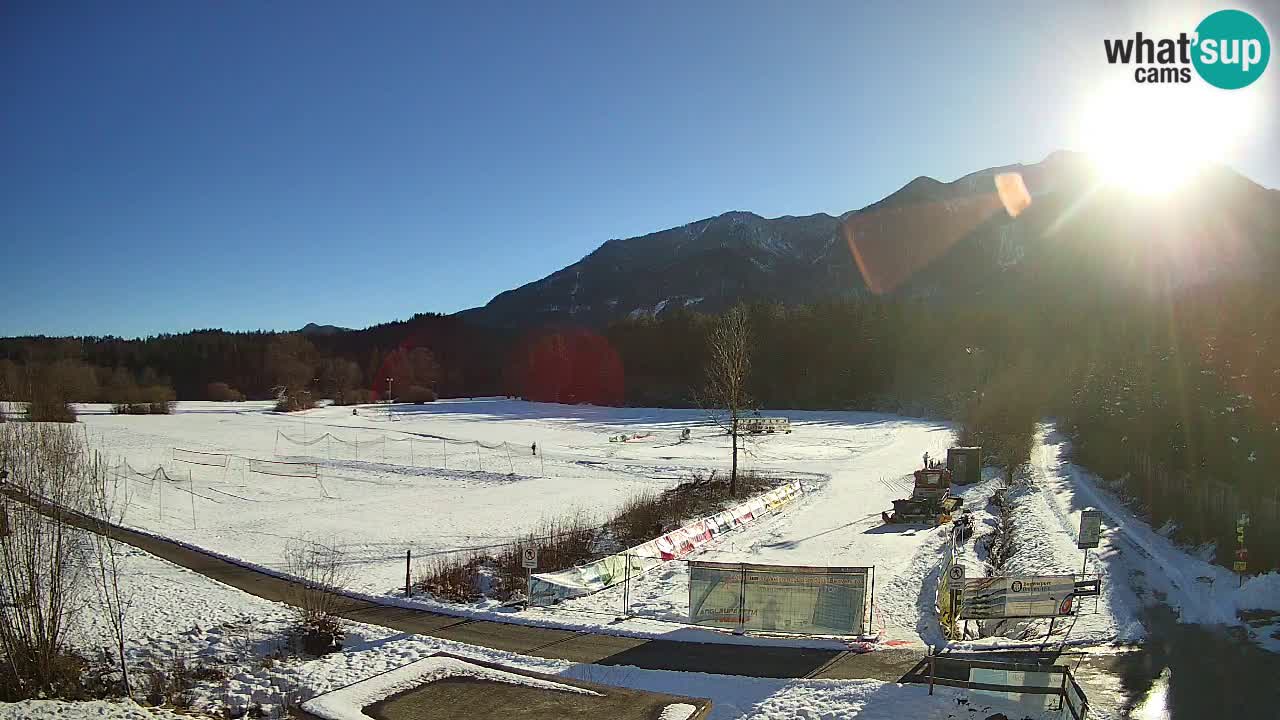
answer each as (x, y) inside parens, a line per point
(626, 588)
(411, 462)
(742, 599)
(931, 670)
(276, 451)
(542, 461)
(871, 614)
(445, 465)
(408, 556)
(510, 466)
(191, 483)
(479, 462)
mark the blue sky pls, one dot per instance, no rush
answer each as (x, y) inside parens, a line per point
(263, 165)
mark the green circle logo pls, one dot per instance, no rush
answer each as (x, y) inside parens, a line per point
(1232, 49)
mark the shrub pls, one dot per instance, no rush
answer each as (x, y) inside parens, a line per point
(47, 405)
(43, 560)
(468, 576)
(222, 392)
(322, 572)
(150, 400)
(1001, 544)
(294, 400)
(417, 394)
(576, 539)
(353, 396)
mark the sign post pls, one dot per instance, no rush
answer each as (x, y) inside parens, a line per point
(529, 560)
(956, 573)
(1241, 565)
(1090, 533)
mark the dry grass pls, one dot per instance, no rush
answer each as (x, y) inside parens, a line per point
(468, 576)
(579, 538)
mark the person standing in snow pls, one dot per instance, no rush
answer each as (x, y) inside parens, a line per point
(534, 448)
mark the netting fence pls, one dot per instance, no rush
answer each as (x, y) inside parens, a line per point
(416, 451)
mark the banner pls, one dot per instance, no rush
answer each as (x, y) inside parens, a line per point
(779, 598)
(1017, 596)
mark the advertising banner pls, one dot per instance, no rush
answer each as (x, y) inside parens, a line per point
(1019, 596)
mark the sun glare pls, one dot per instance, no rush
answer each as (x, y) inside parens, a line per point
(1150, 140)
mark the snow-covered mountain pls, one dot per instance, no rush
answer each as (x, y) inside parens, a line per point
(927, 239)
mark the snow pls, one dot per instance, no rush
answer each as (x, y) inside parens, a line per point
(678, 711)
(1200, 591)
(379, 505)
(460, 474)
(88, 710)
(346, 703)
(1261, 592)
(177, 612)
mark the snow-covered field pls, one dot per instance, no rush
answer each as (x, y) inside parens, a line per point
(461, 473)
(377, 507)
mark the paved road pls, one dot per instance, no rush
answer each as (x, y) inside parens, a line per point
(888, 664)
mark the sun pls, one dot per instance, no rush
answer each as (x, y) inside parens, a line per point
(1151, 140)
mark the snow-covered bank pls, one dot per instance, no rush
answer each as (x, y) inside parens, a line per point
(1141, 564)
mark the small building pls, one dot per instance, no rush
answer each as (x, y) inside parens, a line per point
(965, 464)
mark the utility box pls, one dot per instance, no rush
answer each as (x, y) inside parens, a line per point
(965, 464)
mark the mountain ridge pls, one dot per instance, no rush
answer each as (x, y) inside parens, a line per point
(928, 238)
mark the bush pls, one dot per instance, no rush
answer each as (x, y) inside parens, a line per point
(48, 403)
(151, 408)
(322, 574)
(353, 396)
(293, 401)
(469, 576)
(46, 408)
(45, 560)
(222, 392)
(578, 538)
(1001, 544)
(417, 394)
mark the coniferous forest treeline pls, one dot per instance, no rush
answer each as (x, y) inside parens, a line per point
(1175, 398)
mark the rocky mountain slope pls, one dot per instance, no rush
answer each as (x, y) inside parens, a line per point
(928, 239)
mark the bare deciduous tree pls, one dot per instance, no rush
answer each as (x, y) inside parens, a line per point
(728, 367)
